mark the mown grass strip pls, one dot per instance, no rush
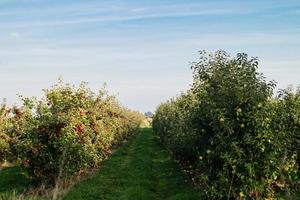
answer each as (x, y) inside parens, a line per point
(141, 169)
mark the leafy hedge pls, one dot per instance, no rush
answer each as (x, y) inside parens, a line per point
(4, 138)
(242, 142)
(68, 132)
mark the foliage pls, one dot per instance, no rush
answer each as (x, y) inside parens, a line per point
(239, 139)
(4, 138)
(68, 132)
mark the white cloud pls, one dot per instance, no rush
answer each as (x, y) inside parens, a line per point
(15, 35)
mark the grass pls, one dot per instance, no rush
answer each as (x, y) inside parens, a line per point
(13, 181)
(140, 170)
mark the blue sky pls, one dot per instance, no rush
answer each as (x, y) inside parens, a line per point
(141, 49)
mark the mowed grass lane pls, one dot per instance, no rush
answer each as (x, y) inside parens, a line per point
(139, 170)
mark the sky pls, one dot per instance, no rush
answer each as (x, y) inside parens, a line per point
(141, 49)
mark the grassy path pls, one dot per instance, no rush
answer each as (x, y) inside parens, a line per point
(139, 170)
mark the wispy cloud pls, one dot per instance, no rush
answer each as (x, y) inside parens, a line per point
(15, 35)
(86, 13)
(40, 15)
(294, 12)
(120, 18)
(242, 39)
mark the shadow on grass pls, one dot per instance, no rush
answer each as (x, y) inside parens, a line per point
(13, 180)
(139, 170)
